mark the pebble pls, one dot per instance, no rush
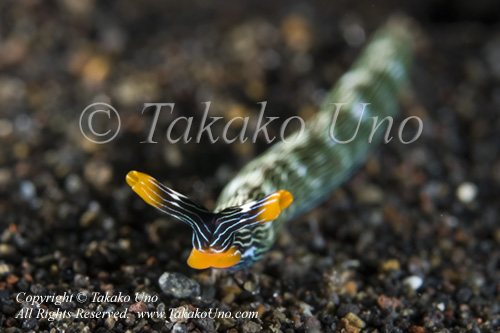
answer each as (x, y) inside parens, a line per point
(440, 306)
(27, 190)
(312, 325)
(351, 288)
(464, 294)
(353, 33)
(418, 266)
(347, 327)
(161, 308)
(178, 285)
(7, 250)
(96, 70)
(261, 309)
(369, 195)
(226, 324)
(5, 128)
(81, 281)
(278, 314)
(251, 287)
(12, 279)
(296, 32)
(5, 176)
(131, 90)
(179, 328)
(130, 320)
(98, 173)
(4, 268)
(179, 314)
(344, 309)
(77, 8)
(88, 218)
(467, 192)
(30, 324)
(306, 309)
(110, 323)
(23, 123)
(38, 289)
(173, 156)
(138, 307)
(73, 183)
(386, 302)
(355, 320)
(206, 324)
(250, 327)
(414, 282)
(390, 265)
(229, 298)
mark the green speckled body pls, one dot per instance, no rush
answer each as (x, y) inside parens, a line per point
(312, 166)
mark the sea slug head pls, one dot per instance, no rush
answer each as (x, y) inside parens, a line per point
(213, 233)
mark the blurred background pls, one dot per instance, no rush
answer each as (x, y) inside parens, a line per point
(427, 211)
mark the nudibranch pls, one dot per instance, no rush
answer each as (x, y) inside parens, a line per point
(213, 232)
(251, 208)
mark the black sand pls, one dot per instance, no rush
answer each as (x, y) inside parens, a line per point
(410, 243)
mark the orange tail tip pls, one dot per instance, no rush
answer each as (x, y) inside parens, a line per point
(145, 186)
(286, 199)
(274, 204)
(202, 260)
(133, 177)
